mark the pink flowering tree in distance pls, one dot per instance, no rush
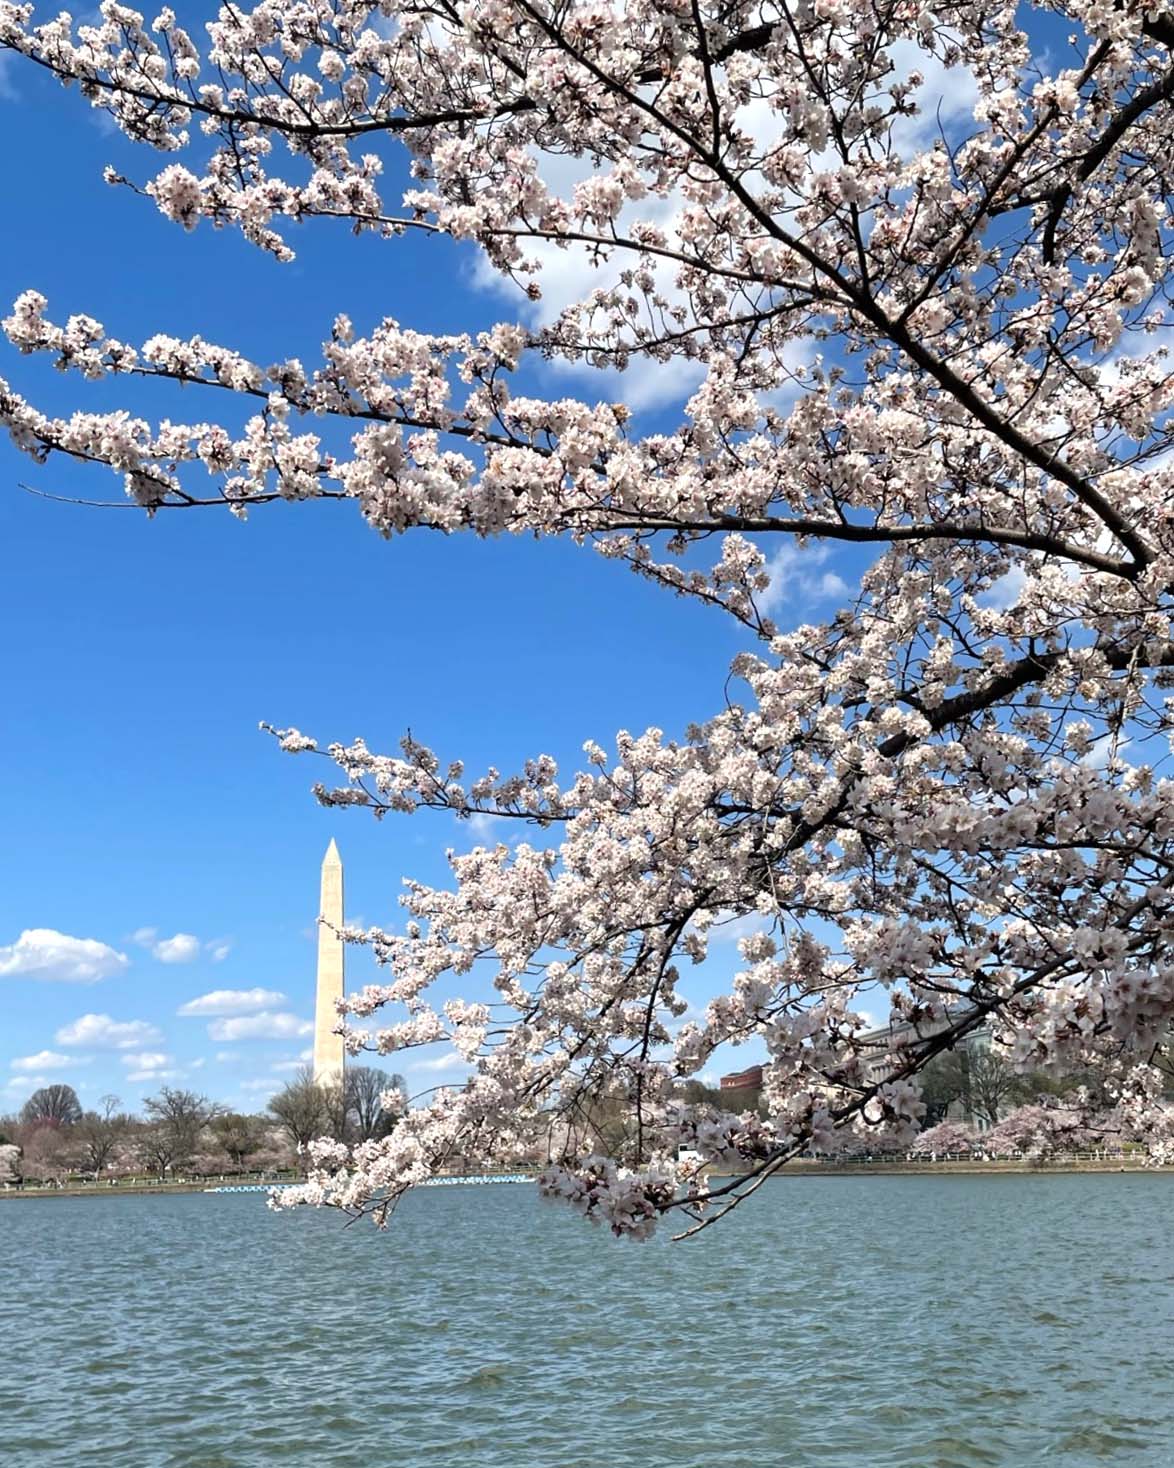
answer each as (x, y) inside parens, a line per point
(947, 1136)
(943, 342)
(1037, 1132)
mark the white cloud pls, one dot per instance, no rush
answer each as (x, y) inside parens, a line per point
(147, 1060)
(44, 953)
(283, 1066)
(1003, 593)
(270, 1087)
(232, 1001)
(263, 1026)
(448, 1061)
(946, 99)
(1104, 749)
(483, 823)
(730, 929)
(798, 579)
(26, 1083)
(45, 1060)
(226, 1057)
(108, 1034)
(151, 1066)
(181, 948)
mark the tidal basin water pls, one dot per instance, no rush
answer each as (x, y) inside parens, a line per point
(839, 1322)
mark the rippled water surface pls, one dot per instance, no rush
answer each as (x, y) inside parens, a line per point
(880, 1322)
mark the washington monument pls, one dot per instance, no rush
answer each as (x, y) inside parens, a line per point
(328, 1051)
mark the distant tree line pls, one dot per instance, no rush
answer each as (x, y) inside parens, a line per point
(183, 1133)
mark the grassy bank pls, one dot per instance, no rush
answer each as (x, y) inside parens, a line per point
(122, 1190)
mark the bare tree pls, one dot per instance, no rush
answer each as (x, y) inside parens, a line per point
(336, 1110)
(155, 1144)
(99, 1133)
(944, 1080)
(55, 1105)
(370, 1098)
(179, 1117)
(302, 1109)
(240, 1136)
(990, 1083)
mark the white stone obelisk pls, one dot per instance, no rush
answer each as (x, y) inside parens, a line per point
(328, 1051)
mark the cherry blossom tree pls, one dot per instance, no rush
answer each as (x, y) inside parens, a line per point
(49, 1155)
(10, 1168)
(1037, 1132)
(942, 344)
(947, 1136)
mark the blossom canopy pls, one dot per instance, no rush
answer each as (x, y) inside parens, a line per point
(945, 344)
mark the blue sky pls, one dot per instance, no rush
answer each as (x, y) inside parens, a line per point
(140, 656)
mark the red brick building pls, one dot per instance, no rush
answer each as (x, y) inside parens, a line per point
(743, 1080)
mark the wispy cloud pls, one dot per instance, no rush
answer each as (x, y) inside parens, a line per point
(104, 1033)
(149, 1065)
(449, 1061)
(232, 1001)
(263, 1026)
(801, 579)
(47, 1060)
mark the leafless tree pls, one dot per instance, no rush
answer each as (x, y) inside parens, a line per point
(179, 1117)
(99, 1133)
(990, 1083)
(238, 1135)
(55, 1105)
(155, 1145)
(945, 1079)
(365, 1089)
(302, 1108)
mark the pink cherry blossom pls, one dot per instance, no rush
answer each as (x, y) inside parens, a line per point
(948, 346)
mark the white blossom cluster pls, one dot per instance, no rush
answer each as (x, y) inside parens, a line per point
(949, 348)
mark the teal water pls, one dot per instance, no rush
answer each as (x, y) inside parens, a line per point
(896, 1322)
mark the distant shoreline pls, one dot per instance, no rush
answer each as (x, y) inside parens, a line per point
(1013, 1168)
(1021, 1167)
(121, 1190)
